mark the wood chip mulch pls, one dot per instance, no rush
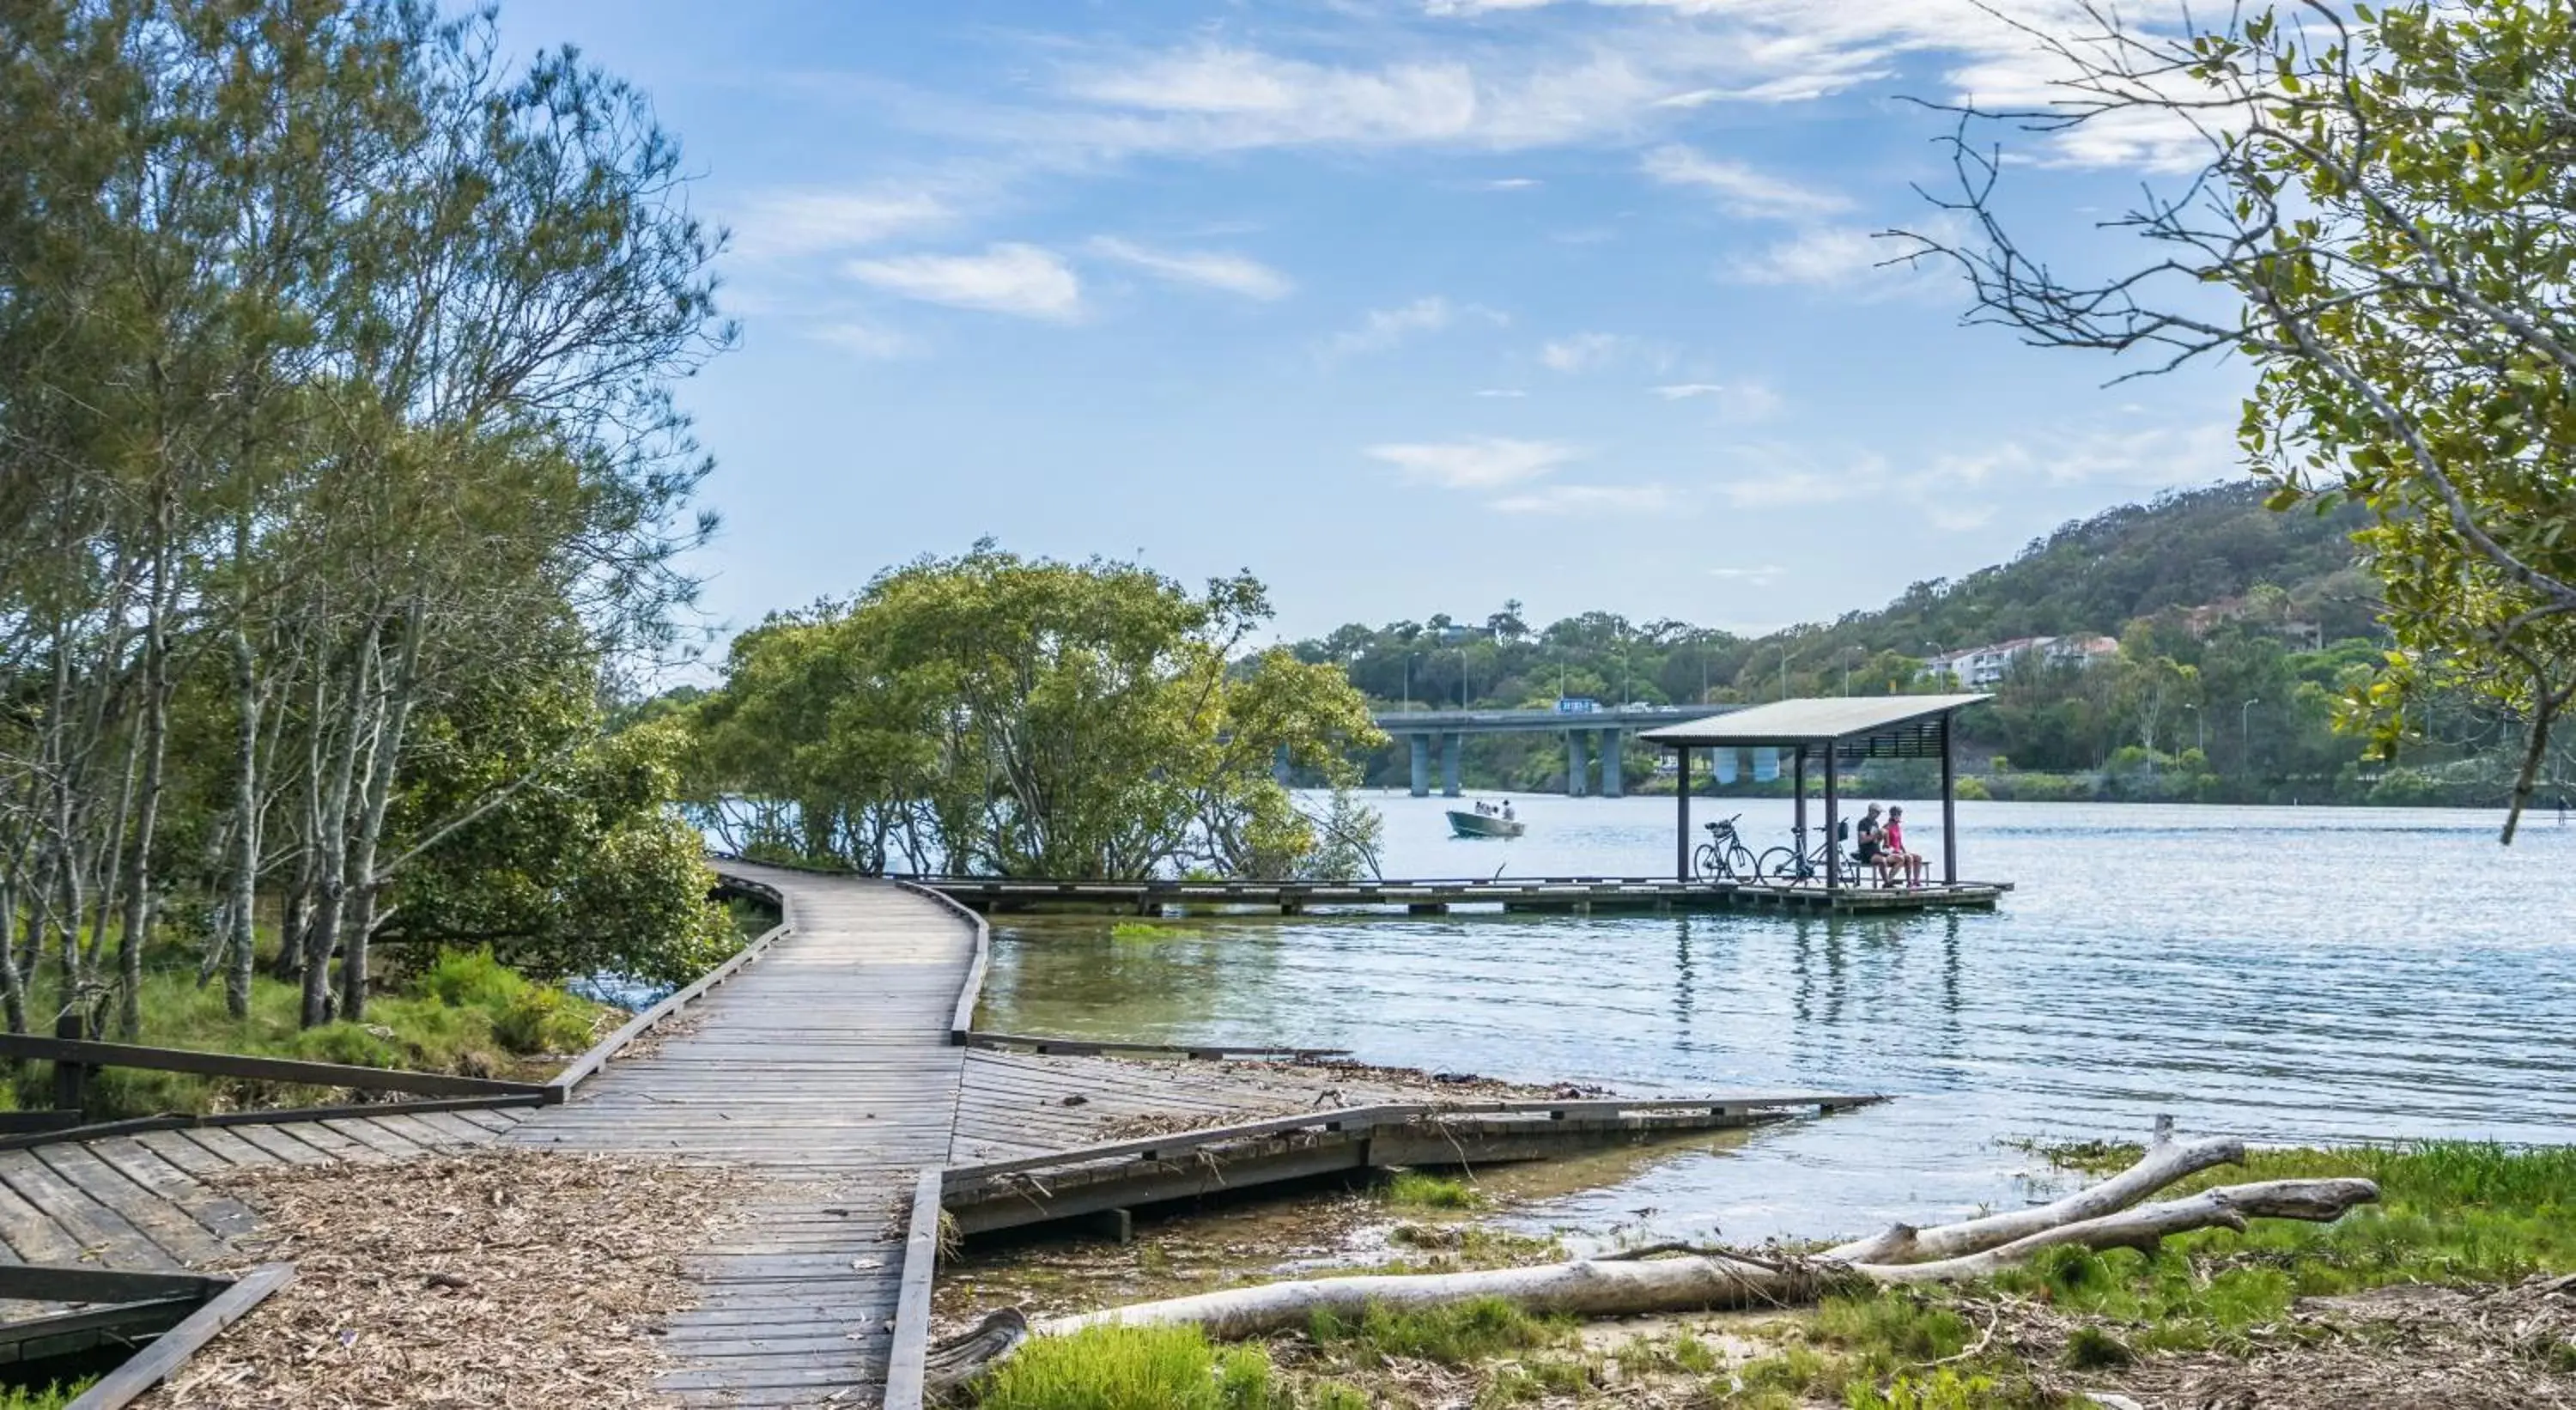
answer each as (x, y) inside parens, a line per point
(489, 1279)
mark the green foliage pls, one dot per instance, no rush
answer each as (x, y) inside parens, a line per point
(1115, 1368)
(1451, 1333)
(1942, 1389)
(989, 713)
(52, 1396)
(1149, 1368)
(1146, 932)
(463, 1013)
(1416, 1189)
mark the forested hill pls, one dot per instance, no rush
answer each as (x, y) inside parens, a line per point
(2179, 550)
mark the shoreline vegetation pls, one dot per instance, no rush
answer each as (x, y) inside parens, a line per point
(460, 1012)
(2450, 1291)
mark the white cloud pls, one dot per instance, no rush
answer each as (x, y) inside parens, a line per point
(1742, 402)
(1789, 488)
(1580, 353)
(867, 340)
(1479, 463)
(1739, 188)
(1216, 98)
(1591, 352)
(1763, 576)
(1787, 51)
(1501, 393)
(1959, 518)
(1514, 183)
(1839, 258)
(1587, 499)
(784, 224)
(1228, 273)
(1383, 328)
(1022, 280)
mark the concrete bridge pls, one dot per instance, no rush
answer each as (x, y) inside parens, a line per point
(1590, 735)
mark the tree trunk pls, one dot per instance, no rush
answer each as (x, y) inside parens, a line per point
(2104, 1216)
(332, 872)
(382, 762)
(244, 944)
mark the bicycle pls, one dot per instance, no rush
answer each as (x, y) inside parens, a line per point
(1724, 857)
(1788, 866)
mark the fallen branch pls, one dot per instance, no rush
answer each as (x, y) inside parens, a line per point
(2105, 1216)
(2163, 1164)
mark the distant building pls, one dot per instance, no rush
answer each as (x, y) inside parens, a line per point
(1983, 667)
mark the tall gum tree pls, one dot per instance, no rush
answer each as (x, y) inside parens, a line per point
(2380, 220)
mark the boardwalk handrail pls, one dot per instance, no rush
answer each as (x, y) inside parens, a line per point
(1397, 1113)
(1088, 1047)
(961, 1019)
(905, 1370)
(91, 1053)
(587, 1066)
(257, 1116)
(169, 1351)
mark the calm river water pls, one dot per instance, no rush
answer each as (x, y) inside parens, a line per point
(2279, 973)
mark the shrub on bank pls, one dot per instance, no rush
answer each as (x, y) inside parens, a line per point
(464, 1013)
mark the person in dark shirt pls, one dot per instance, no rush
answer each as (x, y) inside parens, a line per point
(1870, 845)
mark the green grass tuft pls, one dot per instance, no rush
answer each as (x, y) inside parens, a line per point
(1414, 1189)
(1113, 1368)
(1452, 1334)
(1141, 931)
(49, 1397)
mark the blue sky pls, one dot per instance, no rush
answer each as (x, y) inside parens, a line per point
(1407, 306)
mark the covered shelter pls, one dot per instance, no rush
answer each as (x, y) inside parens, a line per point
(1835, 730)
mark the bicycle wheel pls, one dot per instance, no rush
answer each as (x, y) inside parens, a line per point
(1740, 865)
(1779, 866)
(1705, 863)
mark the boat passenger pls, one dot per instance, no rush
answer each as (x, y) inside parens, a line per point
(1507, 810)
(1897, 857)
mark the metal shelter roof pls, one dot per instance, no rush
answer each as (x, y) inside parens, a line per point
(1881, 726)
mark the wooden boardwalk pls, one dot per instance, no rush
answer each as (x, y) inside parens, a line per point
(828, 1068)
(824, 1068)
(140, 1204)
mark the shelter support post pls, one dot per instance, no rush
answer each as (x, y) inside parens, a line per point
(1421, 764)
(1578, 769)
(1681, 820)
(1949, 808)
(1798, 791)
(1449, 765)
(1833, 821)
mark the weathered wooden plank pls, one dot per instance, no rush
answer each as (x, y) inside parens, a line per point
(169, 1351)
(168, 1227)
(101, 1231)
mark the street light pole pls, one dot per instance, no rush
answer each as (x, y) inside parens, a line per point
(1408, 680)
(2200, 723)
(2244, 744)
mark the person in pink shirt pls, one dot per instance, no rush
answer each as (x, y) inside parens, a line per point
(1898, 858)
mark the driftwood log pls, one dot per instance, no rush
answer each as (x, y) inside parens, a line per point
(2102, 1216)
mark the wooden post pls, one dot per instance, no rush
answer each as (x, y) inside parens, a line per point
(1681, 823)
(1949, 807)
(71, 1079)
(1798, 788)
(1833, 819)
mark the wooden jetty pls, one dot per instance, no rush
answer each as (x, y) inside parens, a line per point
(835, 1062)
(1575, 895)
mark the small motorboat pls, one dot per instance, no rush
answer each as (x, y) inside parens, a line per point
(1485, 824)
